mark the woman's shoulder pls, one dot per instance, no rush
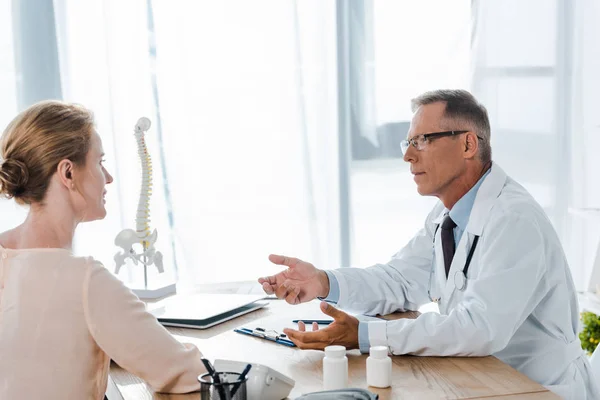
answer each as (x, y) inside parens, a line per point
(98, 274)
(8, 239)
(86, 262)
(51, 258)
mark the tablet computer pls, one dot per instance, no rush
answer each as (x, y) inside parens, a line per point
(202, 311)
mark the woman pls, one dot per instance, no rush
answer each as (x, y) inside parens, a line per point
(62, 318)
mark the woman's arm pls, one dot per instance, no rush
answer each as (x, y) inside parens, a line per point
(133, 338)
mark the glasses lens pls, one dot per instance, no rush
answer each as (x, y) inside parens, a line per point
(404, 146)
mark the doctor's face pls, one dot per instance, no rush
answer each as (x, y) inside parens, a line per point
(438, 162)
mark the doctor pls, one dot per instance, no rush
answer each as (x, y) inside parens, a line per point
(487, 255)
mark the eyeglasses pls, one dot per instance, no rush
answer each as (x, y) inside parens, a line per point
(419, 142)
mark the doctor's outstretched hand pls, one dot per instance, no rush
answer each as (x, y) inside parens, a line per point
(342, 331)
(299, 283)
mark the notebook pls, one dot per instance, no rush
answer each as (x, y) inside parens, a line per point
(202, 311)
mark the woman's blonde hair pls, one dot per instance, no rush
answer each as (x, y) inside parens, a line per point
(36, 141)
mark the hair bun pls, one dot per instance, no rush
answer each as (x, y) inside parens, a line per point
(14, 176)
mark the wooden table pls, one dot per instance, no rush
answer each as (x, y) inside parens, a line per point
(413, 377)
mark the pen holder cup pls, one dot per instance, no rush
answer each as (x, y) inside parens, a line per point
(229, 388)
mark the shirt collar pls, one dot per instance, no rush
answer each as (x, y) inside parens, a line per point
(462, 209)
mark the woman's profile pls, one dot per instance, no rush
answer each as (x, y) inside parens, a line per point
(62, 317)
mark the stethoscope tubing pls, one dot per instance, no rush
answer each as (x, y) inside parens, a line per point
(461, 276)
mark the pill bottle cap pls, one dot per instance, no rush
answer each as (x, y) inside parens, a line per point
(378, 351)
(335, 351)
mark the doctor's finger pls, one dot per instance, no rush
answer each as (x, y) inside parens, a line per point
(292, 297)
(310, 346)
(269, 279)
(308, 337)
(315, 326)
(269, 289)
(283, 260)
(282, 291)
(301, 326)
(332, 311)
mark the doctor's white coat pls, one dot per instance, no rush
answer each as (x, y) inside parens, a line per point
(519, 303)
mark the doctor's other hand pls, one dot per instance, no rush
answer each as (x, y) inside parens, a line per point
(342, 331)
(299, 283)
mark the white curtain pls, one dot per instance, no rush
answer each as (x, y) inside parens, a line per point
(535, 68)
(10, 213)
(584, 239)
(247, 99)
(8, 87)
(246, 138)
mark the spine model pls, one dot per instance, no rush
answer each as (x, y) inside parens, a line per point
(142, 220)
(142, 234)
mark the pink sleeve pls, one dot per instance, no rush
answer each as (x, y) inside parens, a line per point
(134, 339)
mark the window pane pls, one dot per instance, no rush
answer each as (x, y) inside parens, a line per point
(414, 50)
(417, 50)
(519, 33)
(525, 104)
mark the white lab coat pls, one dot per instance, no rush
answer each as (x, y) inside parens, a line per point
(519, 303)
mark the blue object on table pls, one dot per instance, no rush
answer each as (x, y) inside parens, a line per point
(341, 394)
(271, 335)
(310, 321)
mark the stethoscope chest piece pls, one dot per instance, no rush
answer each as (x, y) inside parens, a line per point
(460, 281)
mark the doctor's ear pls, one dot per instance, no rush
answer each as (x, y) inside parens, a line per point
(471, 144)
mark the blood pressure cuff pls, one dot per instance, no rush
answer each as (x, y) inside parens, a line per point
(341, 394)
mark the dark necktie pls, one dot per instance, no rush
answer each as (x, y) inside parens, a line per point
(448, 245)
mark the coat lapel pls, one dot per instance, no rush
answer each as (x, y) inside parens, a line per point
(487, 194)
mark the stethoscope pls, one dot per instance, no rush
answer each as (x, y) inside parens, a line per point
(460, 277)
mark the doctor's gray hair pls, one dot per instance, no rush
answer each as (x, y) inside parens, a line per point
(462, 106)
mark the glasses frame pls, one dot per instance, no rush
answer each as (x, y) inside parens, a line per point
(404, 144)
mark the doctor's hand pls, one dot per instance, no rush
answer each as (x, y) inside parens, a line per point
(300, 283)
(342, 331)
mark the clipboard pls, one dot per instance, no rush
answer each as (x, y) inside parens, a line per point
(271, 335)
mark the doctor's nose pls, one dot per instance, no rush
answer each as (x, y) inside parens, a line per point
(410, 155)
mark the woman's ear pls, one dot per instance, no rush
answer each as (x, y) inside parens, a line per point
(65, 170)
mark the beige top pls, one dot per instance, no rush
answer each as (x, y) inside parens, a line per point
(62, 318)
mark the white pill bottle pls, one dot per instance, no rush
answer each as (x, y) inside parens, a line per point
(379, 367)
(335, 368)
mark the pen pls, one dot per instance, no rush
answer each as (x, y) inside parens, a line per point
(310, 321)
(209, 368)
(240, 380)
(215, 375)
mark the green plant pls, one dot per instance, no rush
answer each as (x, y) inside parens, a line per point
(590, 335)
